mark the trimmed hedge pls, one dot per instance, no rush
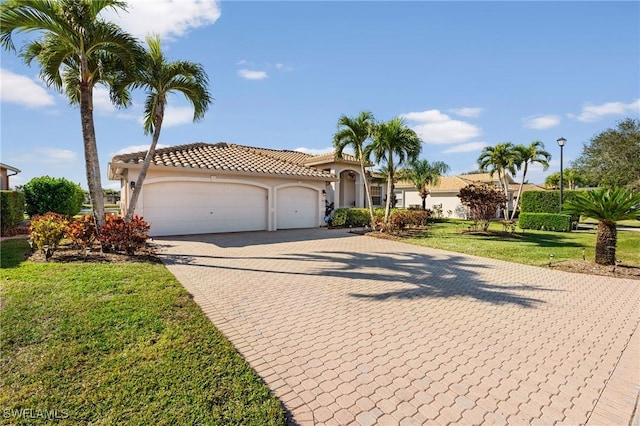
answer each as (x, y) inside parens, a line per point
(11, 210)
(545, 221)
(544, 201)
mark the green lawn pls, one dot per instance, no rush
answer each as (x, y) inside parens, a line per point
(529, 247)
(116, 344)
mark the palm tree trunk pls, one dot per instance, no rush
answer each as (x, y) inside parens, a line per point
(92, 162)
(387, 208)
(424, 201)
(147, 161)
(367, 191)
(515, 207)
(606, 242)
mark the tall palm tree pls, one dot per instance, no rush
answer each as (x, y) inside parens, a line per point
(534, 153)
(421, 174)
(393, 138)
(500, 159)
(159, 78)
(607, 205)
(354, 132)
(76, 50)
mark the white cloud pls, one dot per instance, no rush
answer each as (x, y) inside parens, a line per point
(136, 148)
(467, 112)
(316, 151)
(101, 101)
(19, 89)
(595, 112)
(467, 147)
(435, 127)
(55, 157)
(541, 121)
(283, 67)
(167, 18)
(252, 74)
(176, 116)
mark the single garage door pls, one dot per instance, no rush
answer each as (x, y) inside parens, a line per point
(297, 208)
(182, 208)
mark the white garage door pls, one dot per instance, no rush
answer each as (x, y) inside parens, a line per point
(297, 208)
(182, 208)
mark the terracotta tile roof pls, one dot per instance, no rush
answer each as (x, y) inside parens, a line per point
(229, 157)
(331, 158)
(296, 157)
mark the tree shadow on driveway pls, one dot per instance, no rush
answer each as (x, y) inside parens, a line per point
(404, 275)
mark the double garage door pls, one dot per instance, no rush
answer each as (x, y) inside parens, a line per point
(182, 208)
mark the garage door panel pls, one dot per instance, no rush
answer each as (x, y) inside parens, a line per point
(297, 208)
(175, 208)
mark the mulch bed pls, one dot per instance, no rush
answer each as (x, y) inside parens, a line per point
(66, 253)
(592, 268)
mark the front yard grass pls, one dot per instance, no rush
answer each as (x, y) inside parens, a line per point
(116, 343)
(528, 247)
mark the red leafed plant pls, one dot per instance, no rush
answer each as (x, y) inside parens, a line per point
(119, 235)
(82, 231)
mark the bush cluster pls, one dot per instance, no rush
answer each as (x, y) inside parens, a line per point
(119, 235)
(58, 195)
(401, 219)
(11, 211)
(47, 231)
(82, 231)
(351, 217)
(545, 221)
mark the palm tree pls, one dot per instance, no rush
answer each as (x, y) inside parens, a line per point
(76, 50)
(421, 174)
(534, 153)
(607, 205)
(159, 78)
(354, 132)
(393, 138)
(500, 159)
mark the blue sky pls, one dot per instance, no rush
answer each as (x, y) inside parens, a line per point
(464, 74)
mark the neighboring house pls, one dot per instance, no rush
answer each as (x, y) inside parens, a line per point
(445, 193)
(223, 187)
(6, 171)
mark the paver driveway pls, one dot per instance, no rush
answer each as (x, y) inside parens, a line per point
(354, 329)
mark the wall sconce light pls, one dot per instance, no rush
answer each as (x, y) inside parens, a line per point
(132, 184)
(324, 192)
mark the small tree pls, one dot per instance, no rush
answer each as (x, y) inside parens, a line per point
(482, 201)
(46, 194)
(607, 206)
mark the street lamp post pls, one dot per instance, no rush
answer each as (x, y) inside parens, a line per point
(561, 143)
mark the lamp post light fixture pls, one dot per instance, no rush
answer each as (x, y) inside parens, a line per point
(561, 143)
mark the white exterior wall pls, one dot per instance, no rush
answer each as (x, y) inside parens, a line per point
(271, 185)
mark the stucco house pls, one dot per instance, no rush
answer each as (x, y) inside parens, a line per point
(446, 192)
(223, 187)
(6, 171)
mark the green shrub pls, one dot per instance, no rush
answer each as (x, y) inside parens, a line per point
(546, 202)
(545, 221)
(118, 235)
(46, 194)
(351, 217)
(11, 211)
(47, 231)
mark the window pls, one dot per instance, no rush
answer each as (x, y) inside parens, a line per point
(376, 195)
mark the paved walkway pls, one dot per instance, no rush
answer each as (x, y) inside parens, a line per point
(350, 329)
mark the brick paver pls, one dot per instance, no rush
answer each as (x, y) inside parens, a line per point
(349, 329)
